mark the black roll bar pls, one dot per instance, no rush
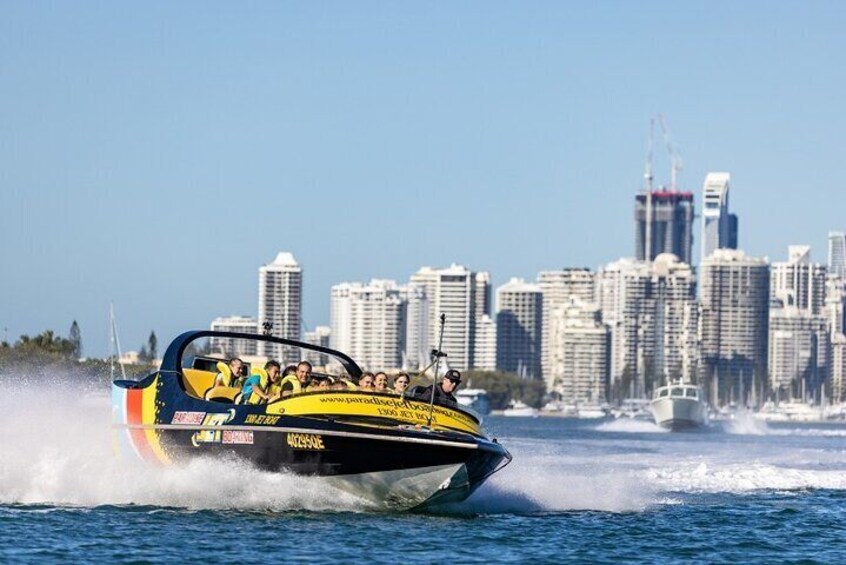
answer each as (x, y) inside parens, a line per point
(172, 360)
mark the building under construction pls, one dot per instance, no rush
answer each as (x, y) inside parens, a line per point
(665, 228)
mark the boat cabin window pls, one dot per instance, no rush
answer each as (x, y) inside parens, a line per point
(677, 391)
(691, 393)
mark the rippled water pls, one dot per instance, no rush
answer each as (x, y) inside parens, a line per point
(577, 490)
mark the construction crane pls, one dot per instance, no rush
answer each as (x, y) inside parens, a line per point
(675, 158)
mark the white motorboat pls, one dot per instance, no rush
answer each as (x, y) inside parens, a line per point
(679, 406)
(520, 409)
(634, 409)
(790, 411)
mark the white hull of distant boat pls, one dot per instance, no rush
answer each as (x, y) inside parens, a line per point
(679, 407)
(520, 409)
(475, 399)
(793, 411)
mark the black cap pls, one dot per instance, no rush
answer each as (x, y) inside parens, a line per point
(453, 375)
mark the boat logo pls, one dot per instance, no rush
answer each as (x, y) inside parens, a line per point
(189, 418)
(237, 437)
(212, 436)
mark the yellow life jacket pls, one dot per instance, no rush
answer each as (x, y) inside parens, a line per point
(263, 380)
(225, 372)
(296, 387)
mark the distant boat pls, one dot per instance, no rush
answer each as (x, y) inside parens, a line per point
(520, 409)
(790, 411)
(634, 409)
(679, 406)
(476, 399)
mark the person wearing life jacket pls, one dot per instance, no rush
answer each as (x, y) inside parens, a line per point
(229, 377)
(290, 380)
(256, 388)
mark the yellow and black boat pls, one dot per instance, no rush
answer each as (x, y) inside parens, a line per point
(384, 447)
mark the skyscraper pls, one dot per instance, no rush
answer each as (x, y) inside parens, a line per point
(371, 321)
(230, 347)
(319, 336)
(719, 227)
(485, 356)
(798, 353)
(464, 297)
(652, 312)
(519, 307)
(280, 303)
(735, 299)
(579, 352)
(557, 287)
(837, 254)
(799, 282)
(664, 224)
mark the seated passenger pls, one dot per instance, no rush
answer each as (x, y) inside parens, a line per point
(444, 390)
(290, 373)
(380, 382)
(401, 382)
(224, 379)
(304, 372)
(257, 388)
(365, 381)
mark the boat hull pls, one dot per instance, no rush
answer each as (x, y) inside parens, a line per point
(399, 467)
(679, 414)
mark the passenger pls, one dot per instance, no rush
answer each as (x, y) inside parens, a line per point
(380, 382)
(304, 372)
(257, 388)
(447, 386)
(289, 373)
(401, 382)
(365, 381)
(231, 379)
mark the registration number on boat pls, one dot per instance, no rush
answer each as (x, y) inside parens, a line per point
(305, 441)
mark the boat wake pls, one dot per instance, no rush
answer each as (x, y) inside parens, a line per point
(59, 452)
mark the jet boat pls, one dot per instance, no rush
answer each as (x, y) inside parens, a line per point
(400, 452)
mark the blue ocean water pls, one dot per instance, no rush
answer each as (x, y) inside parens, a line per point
(581, 491)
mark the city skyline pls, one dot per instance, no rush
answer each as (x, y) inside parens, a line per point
(371, 142)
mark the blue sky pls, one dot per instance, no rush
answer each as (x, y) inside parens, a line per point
(156, 154)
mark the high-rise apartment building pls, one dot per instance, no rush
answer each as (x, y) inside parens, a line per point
(652, 314)
(664, 224)
(557, 287)
(735, 292)
(371, 320)
(835, 304)
(519, 318)
(280, 303)
(719, 227)
(485, 355)
(417, 346)
(464, 297)
(319, 336)
(234, 347)
(799, 282)
(798, 353)
(579, 352)
(837, 253)
(838, 368)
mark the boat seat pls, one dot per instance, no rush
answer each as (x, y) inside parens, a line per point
(226, 394)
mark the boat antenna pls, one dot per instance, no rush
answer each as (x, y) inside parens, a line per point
(436, 354)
